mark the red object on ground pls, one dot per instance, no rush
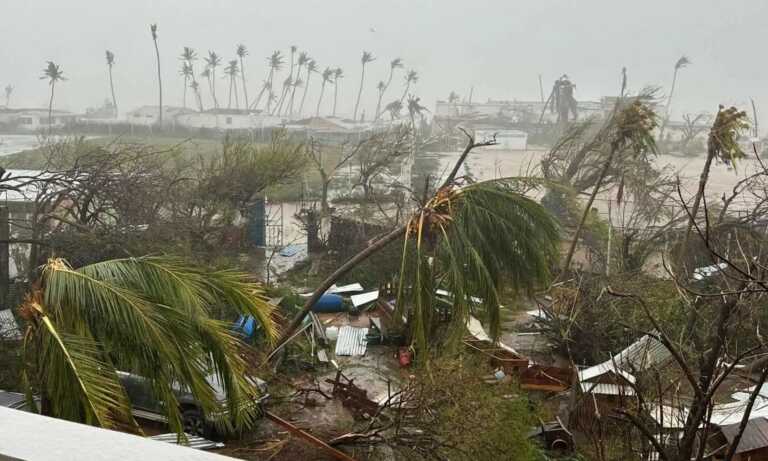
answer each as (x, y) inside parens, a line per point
(405, 356)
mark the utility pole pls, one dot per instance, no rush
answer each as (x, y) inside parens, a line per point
(4, 257)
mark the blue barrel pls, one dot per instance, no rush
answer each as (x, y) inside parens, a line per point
(329, 303)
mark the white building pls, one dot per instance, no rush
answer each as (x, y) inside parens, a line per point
(227, 119)
(149, 115)
(505, 139)
(37, 119)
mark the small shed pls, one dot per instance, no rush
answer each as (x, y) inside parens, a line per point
(753, 445)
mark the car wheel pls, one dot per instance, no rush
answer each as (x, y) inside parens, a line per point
(194, 423)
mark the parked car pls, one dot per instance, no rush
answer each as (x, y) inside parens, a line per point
(146, 406)
(16, 401)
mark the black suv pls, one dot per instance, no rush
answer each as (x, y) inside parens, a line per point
(146, 406)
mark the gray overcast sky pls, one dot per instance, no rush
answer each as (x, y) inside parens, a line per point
(499, 46)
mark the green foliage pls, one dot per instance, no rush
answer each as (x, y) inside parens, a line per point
(146, 315)
(475, 420)
(473, 241)
(723, 143)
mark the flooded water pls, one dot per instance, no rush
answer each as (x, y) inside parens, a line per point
(14, 143)
(484, 164)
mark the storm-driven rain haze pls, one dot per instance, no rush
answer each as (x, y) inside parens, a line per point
(514, 43)
(384, 230)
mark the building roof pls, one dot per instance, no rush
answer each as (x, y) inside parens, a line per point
(9, 329)
(25, 181)
(606, 389)
(154, 109)
(644, 353)
(49, 439)
(667, 416)
(755, 435)
(604, 368)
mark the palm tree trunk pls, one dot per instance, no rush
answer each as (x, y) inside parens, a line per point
(210, 90)
(320, 99)
(381, 95)
(245, 88)
(359, 93)
(279, 107)
(669, 104)
(184, 99)
(159, 84)
(405, 92)
(229, 102)
(703, 178)
(237, 98)
(50, 108)
(304, 96)
(213, 88)
(289, 108)
(588, 207)
(112, 89)
(335, 97)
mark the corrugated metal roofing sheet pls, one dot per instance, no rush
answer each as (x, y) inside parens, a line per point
(364, 298)
(193, 441)
(644, 353)
(755, 435)
(351, 341)
(606, 389)
(9, 329)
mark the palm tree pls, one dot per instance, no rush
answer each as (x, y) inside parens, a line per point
(394, 108)
(275, 62)
(212, 62)
(311, 69)
(303, 60)
(338, 74)
(242, 52)
(189, 56)
(411, 77)
(287, 84)
(153, 29)
(327, 78)
(396, 63)
(186, 72)
(206, 74)
(365, 59)
(446, 246)
(232, 70)
(111, 62)
(682, 62)
(630, 127)
(8, 91)
(147, 315)
(53, 74)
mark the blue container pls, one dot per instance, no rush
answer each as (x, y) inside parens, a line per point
(329, 303)
(245, 325)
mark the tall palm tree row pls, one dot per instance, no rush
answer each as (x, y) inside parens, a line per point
(311, 69)
(111, 62)
(242, 52)
(213, 61)
(365, 59)
(150, 316)
(338, 74)
(396, 63)
(189, 56)
(327, 76)
(232, 72)
(275, 62)
(153, 30)
(53, 74)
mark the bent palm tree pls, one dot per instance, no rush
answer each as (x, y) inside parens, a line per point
(411, 77)
(679, 64)
(111, 62)
(186, 72)
(338, 74)
(446, 245)
(275, 64)
(311, 69)
(153, 29)
(327, 76)
(394, 108)
(231, 70)
(53, 74)
(146, 315)
(189, 56)
(396, 63)
(303, 60)
(365, 59)
(242, 52)
(213, 61)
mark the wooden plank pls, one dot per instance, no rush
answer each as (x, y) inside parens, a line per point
(340, 455)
